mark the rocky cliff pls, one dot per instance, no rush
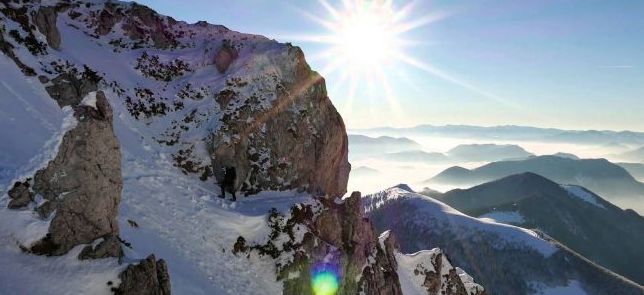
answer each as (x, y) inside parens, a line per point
(158, 107)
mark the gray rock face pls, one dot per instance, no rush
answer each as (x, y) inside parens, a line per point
(300, 142)
(150, 277)
(20, 195)
(45, 19)
(83, 183)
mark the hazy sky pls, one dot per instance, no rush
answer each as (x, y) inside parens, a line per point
(575, 64)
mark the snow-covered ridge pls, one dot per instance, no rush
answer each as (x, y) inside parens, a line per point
(503, 217)
(576, 191)
(509, 236)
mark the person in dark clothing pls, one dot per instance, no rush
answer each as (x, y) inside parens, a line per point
(228, 182)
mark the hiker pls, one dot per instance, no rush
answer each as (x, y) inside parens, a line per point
(228, 182)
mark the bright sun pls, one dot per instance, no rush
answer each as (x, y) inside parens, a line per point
(366, 41)
(365, 35)
(368, 44)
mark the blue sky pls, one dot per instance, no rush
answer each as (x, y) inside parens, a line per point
(575, 64)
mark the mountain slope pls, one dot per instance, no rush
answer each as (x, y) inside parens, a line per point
(361, 144)
(487, 152)
(572, 215)
(179, 100)
(599, 175)
(506, 259)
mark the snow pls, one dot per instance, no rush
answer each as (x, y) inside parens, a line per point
(503, 217)
(572, 288)
(583, 194)
(89, 99)
(412, 283)
(509, 236)
(30, 274)
(29, 119)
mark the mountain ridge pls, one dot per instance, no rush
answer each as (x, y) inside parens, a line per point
(572, 215)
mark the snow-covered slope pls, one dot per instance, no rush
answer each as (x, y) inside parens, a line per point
(179, 217)
(573, 215)
(505, 259)
(166, 98)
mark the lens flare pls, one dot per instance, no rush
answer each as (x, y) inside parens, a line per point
(325, 280)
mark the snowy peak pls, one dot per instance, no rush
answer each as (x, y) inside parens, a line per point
(571, 214)
(482, 247)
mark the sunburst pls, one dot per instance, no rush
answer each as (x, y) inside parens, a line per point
(368, 40)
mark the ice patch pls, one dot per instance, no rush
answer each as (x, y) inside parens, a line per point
(503, 217)
(583, 194)
(89, 100)
(573, 288)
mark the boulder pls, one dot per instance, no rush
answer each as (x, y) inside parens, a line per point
(83, 183)
(149, 277)
(225, 56)
(109, 247)
(20, 195)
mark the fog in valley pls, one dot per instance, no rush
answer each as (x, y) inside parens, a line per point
(382, 158)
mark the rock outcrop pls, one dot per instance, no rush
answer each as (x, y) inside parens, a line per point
(149, 277)
(20, 195)
(45, 19)
(430, 272)
(109, 247)
(82, 185)
(298, 142)
(327, 236)
(225, 56)
(336, 237)
(69, 87)
(380, 275)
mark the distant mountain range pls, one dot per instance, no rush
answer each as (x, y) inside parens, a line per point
(406, 150)
(382, 144)
(504, 258)
(416, 156)
(487, 152)
(599, 175)
(573, 215)
(364, 171)
(636, 155)
(512, 132)
(382, 140)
